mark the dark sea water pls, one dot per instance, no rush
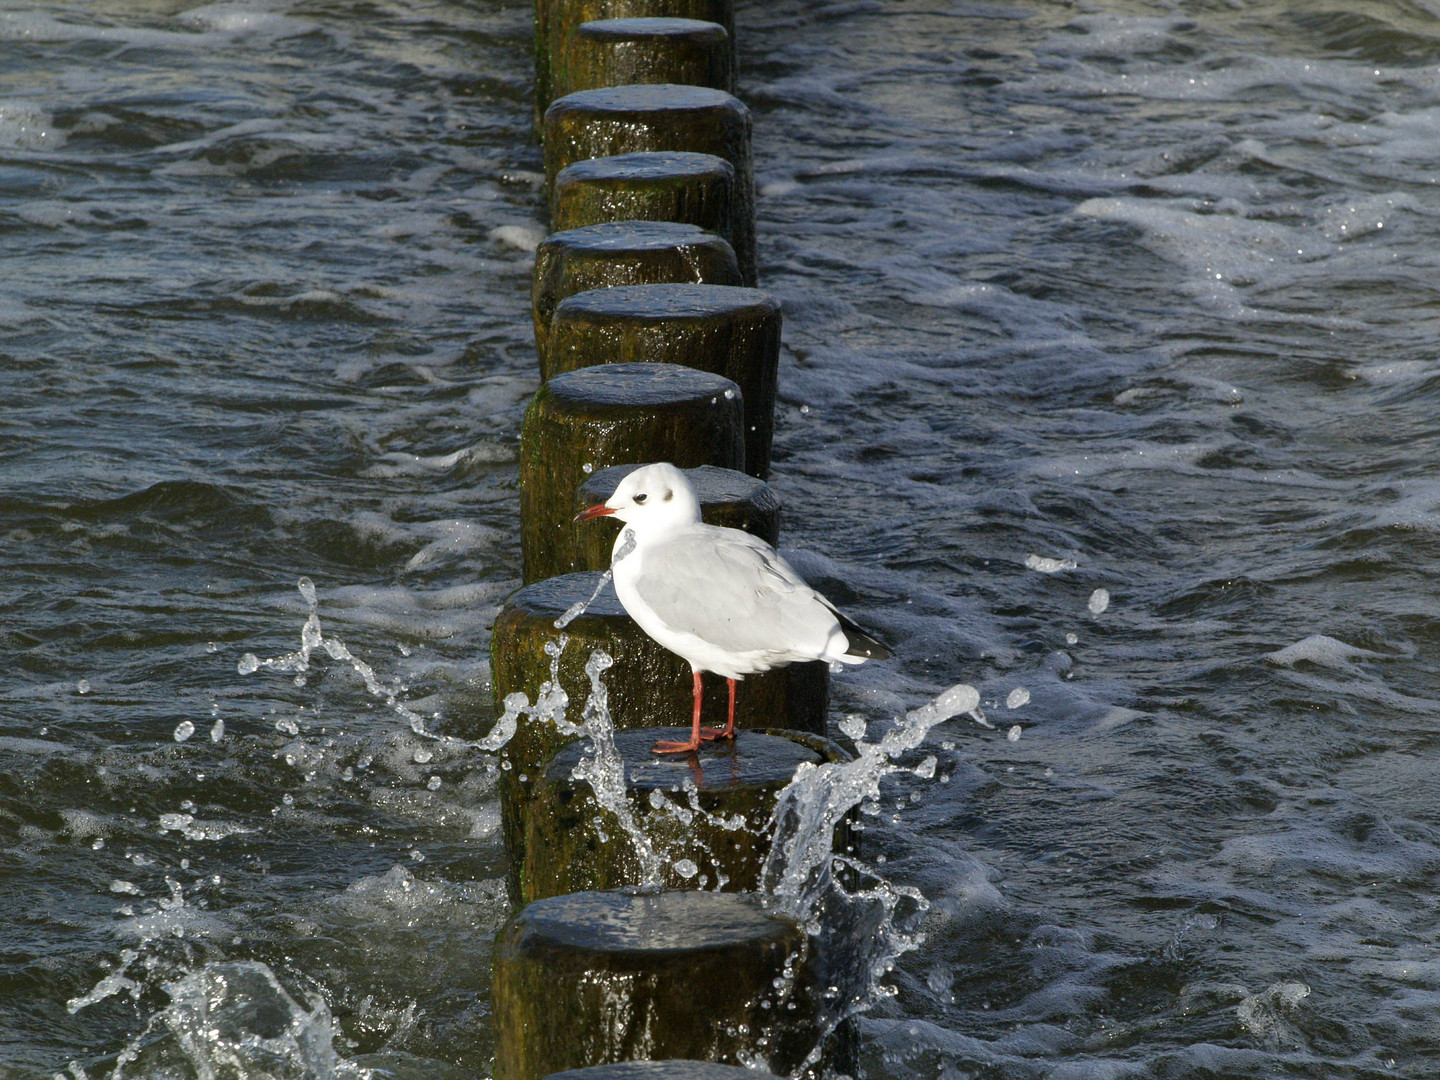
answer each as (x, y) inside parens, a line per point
(1120, 296)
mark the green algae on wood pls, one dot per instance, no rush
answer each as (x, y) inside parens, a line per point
(599, 977)
(695, 189)
(614, 414)
(658, 117)
(620, 52)
(704, 817)
(731, 331)
(621, 253)
(557, 20)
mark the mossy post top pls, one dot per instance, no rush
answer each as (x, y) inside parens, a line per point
(669, 302)
(635, 924)
(654, 26)
(624, 388)
(752, 760)
(645, 97)
(674, 1069)
(610, 237)
(642, 165)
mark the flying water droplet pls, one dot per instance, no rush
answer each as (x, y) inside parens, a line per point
(1047, 565)
(853, 725)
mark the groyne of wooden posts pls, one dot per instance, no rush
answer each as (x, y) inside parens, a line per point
(641, 949)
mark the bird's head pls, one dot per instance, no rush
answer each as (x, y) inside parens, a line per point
(657, 496)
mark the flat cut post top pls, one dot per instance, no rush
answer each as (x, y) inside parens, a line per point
(636, 235)
(674, 1069)
(628, 386)
(750, 760)
(653, 27)
(666, 922)
(669, 301)
(647, 97)
(648, 165)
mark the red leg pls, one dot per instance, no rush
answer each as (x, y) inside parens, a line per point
(663, 747)
(728, 732)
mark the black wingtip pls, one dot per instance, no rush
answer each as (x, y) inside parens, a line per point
(861, 643)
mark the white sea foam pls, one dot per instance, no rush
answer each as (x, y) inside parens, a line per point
(1324, 651)
(243, 19)
(395, 463)
(520, 237)
(24, 126)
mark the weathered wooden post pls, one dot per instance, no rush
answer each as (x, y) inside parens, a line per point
(616, 414)
(696, 189)
(623, 253)
(673, 1069)
(620, 52)
(729, 331)
(557, 20)
(647, 685)
(727, 497)
(661, 117)
(703, 818)
(598, 977)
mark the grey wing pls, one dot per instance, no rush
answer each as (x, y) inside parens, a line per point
(734, 591)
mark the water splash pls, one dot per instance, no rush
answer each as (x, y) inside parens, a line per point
(861, 921)
(604, 770)
(575, 610)
(312, 638)
(236, 1019)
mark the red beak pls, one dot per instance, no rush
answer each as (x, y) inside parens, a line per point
(595, 511)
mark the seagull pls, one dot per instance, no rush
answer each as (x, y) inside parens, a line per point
(721, 599)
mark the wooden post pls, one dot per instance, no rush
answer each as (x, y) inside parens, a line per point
(598, 977)
(627, 119)
(622, 253)
(646, 685)
(696, 189)
(674, 1069)
(615, 414)
(621, 52)
(557, 20)
(704, 816)
(732, 332)
(727, 497)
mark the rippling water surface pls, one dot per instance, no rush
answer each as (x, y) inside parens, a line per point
(1121, 296)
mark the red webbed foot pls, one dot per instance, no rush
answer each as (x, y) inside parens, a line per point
(687, 747)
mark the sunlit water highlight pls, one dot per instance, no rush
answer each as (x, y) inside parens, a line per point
(1144, 291)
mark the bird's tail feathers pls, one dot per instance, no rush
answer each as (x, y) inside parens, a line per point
(860, 644)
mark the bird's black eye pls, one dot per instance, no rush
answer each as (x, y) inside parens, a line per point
(641, 497)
